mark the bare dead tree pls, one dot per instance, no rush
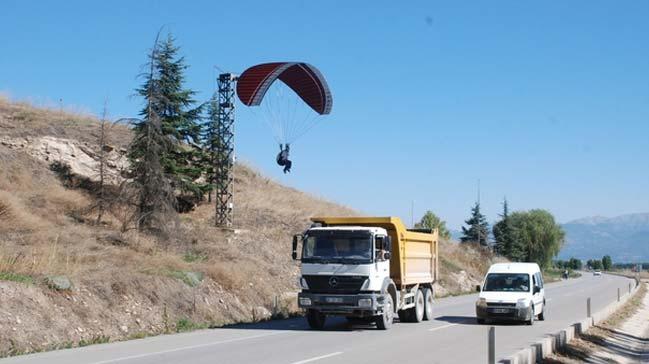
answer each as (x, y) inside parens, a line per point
(102, 140)
(155, 195)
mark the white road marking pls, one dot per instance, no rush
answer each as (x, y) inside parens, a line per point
(442, 327)
(187, 348)
(318, 358)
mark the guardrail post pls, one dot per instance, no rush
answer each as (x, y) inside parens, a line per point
(492, 345)
(588, 307)
(618, 294)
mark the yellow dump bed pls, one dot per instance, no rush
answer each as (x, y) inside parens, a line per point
(414, 254)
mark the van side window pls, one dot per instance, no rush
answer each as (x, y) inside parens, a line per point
(534, 281)
(541, 279)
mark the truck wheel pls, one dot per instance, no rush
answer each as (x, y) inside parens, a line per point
(418, 311)
(428, 304)
(316, 319)
(384, 321)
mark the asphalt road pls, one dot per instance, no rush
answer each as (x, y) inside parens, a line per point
(453, 337)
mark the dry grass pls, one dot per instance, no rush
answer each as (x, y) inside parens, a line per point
(24, 119)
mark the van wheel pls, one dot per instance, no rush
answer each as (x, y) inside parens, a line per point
(542, 314)
(315, 319)
(530, 322)
(384, 321)
(428, 304)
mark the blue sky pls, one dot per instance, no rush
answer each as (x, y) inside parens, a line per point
(546, 103)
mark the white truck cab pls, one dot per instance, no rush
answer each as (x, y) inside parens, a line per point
(512, 291)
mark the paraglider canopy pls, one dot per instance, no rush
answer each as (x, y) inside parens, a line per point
(307, 82)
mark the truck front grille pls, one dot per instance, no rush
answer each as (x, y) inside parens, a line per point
(334, 284)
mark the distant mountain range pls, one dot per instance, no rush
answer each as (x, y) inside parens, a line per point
(625, 238)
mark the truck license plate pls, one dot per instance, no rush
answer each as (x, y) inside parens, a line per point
(334, 299)
(501, 310)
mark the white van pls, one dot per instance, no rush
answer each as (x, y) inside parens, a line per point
(511, 291)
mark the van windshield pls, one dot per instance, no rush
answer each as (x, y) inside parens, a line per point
(507, 282)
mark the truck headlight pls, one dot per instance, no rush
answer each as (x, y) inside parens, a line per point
(365, 302)
(523, 302)
(303, 283)
(305, 301)
(482, 302)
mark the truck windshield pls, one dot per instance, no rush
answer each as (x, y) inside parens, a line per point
(337, 246)
(507, 282)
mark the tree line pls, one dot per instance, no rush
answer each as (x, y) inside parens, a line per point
(520, 236)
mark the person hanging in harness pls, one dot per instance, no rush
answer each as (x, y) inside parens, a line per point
(282, 158)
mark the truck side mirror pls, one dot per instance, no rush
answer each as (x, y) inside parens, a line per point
(296, 238)
(477, 288)
(537, 289)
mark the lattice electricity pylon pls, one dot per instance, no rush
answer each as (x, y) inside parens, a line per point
(225, 152)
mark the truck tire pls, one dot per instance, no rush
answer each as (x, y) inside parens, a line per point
(416, 313)
(420, 306)
(315, 319)
(428, 304)
(384, 321)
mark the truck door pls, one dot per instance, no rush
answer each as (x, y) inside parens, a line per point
(381, 259)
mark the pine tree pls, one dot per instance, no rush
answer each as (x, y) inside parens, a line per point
(155, 200)
(179, 122)
(478, 229)
(505, 243)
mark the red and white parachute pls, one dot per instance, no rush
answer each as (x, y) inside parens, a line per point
(290, 107)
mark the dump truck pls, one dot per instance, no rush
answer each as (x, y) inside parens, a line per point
(366, 268)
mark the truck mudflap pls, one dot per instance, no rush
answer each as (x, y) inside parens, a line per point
(356, 305)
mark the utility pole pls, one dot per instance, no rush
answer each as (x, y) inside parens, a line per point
(224, 194)
(412, 214)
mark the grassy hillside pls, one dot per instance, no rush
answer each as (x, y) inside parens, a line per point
(127, 284)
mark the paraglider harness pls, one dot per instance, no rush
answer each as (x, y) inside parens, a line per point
(282, 158)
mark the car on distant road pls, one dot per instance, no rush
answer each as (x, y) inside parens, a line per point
(511, 291)
(597, 273)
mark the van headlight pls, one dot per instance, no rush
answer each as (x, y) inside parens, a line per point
(365, 302)
(303, 283)
(523, 303)
(482, 302)
(305, 301)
